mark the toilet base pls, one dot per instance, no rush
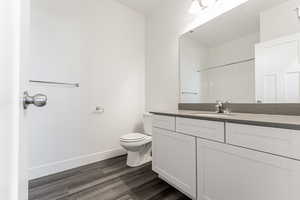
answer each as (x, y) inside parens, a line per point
(138, 158)
(134, 159)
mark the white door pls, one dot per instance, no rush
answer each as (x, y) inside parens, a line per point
(175, 159)
(42, 59)
(278, 70)
(233, 173)
(13, 168)
(57, 59)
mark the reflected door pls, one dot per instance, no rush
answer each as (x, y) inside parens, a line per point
(278, 70)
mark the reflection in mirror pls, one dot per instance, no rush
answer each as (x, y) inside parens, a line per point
(243, 56)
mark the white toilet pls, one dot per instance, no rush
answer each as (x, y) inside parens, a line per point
(138, 145)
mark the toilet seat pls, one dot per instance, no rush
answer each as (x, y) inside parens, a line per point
(133, 137)
(138, 148)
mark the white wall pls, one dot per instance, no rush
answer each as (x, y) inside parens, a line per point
(101, 45)
(280, 20)
(232, 51)
(164, 28)
(234, 83)
(193, 56)
(9, 101)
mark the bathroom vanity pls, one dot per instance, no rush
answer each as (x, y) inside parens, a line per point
(211, 156)
(248, 57)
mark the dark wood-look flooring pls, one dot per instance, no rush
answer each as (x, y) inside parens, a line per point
(106, 180)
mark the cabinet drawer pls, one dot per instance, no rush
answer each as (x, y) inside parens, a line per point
(164, 122)
(201, 128)
(277, 141)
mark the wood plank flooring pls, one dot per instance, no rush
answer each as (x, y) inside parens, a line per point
(106, 180)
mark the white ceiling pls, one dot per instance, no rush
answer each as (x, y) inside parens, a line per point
(239, 22)
(143, 6)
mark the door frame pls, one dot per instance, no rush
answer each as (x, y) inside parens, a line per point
(24, 61)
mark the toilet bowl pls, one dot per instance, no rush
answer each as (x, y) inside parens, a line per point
(138, 145)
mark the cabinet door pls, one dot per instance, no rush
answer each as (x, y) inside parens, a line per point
(232, 173)
(174, 159)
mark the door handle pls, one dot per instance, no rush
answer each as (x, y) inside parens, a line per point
(38, 100)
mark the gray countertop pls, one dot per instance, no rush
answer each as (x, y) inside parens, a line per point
(277, 121)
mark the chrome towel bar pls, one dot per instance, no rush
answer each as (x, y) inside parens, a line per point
(55, 83)
(194, 93)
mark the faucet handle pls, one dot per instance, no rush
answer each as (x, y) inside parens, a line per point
(227, 107)
(219, 106)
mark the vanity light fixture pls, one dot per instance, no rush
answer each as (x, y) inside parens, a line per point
(195, 7)
(199, 5)
(207, 3)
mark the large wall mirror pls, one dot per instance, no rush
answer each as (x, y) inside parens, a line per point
(246, 55)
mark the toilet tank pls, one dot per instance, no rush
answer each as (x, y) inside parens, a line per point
(147, 119)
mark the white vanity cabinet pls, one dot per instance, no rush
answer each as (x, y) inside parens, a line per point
(227, 161)
(174, 158)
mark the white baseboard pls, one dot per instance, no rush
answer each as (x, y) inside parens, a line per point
(52, 168)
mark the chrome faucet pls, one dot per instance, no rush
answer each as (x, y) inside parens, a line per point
(222, 107)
